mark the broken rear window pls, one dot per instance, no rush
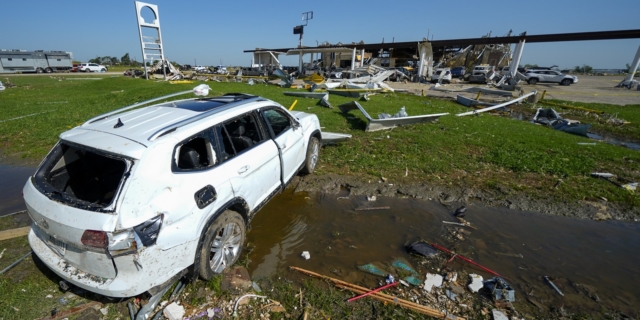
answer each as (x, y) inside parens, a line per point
(81, 176)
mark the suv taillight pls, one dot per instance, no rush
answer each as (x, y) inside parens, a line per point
(93, 238)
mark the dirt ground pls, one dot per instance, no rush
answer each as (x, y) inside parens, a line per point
(589, 89)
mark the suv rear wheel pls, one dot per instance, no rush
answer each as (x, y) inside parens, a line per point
(532, 81)
(222, 244)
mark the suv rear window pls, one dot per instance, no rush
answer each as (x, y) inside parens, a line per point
(79, 175)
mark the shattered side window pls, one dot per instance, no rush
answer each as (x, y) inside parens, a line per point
(277, 121)
(76, 174)
(241, 133)
(195, 153)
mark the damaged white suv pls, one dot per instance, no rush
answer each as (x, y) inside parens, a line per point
(130, 200)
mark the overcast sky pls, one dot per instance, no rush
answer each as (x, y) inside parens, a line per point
(210, 32)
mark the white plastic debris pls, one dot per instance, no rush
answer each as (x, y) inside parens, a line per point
(174, 311)
(49, 296)
(452, 276)
(201, 90)
(433, 280)
(498, 315)
(371, 198)
(306, 255)
(210, 313)
(104, 311)
(476, 282)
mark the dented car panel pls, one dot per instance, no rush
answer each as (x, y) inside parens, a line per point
(121, 204)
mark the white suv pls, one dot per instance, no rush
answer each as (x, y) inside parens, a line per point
(553, 76)
(131, 200)
(91, 67)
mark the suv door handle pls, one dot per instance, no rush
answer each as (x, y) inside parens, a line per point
(284, 146)
(243, 169)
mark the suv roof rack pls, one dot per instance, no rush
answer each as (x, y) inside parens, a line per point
(137, 104)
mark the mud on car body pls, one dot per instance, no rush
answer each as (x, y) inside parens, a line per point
(131, 199)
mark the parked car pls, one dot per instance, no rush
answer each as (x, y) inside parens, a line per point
(131, 199)
(458, 72)
(74, 68)
(505, 70)
(481, 73)
(552, 76)
(92, 67)
(444, 73)
(199, 69)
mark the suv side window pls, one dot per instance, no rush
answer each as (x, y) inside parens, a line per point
(237, 135)
(277, 120)
(195, 153)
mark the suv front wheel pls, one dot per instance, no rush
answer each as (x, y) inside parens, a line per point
(313, 153)
(222, 244)
(533, 81)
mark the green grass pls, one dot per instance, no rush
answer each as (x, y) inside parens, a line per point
(474, 151)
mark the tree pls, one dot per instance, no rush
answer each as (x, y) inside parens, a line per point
(126, 60)
(530, 66)
(584, 69)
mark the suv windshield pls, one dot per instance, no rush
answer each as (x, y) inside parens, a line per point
(77, 175)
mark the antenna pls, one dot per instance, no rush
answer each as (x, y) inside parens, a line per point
(306, 16)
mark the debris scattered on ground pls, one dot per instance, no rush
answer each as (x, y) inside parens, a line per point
(625, 184)
(498, 315)
(174, 311)
(306, 255)
(476, 282)
(500, 289)
(373, 208)
(554, 286)
(236, 279)
(380, 296)
(15, 263)
(423, 249)
(433, 280)
(460, 212)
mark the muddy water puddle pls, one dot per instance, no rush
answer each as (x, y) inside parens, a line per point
(600, 256)
(12, 179)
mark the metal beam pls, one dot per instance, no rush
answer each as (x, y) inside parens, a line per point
(578, 36)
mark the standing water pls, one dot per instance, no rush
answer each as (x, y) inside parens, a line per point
(523, 246)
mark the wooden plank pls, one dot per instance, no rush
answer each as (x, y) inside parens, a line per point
(14, 233)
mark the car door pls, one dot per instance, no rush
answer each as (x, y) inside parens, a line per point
(200, 174)
(287, 134)
(250, 157)
(555, 76)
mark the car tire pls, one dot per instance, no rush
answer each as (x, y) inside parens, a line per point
(48, 70)
(222, 244)
(313, 154)
(532, 81)
(39, 70)
(565, 82)
(103, 70)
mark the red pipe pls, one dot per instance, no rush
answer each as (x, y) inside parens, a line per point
(373, 291)
(467, 260)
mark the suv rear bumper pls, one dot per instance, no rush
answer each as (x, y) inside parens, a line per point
(132, 278)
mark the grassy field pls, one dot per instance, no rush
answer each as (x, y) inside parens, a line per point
(486, 151)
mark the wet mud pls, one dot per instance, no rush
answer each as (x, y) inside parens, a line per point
(502, 196)
(592, 262)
